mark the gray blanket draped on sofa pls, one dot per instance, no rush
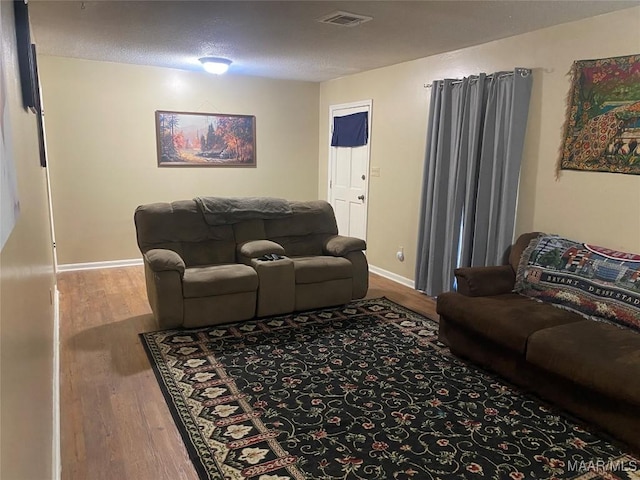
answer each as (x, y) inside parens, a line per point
(219, 210)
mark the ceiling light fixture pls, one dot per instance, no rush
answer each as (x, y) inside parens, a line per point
(215, 65)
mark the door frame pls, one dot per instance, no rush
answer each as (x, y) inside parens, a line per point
(365, 106)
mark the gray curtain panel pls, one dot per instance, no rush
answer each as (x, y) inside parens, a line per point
(472, 168)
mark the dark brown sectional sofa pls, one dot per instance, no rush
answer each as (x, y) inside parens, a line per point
(590, 368)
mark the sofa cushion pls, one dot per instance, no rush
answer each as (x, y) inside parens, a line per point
(181, 221)
(506, 319)
(207, 252)
(249, 230)
(179, 226)
(321, 268)
(596, 355)
(308, 218)
(301, 245)
(218, 280)
(590, 280)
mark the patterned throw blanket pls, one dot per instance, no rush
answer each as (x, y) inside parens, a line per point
(593, 281)
(222, 211)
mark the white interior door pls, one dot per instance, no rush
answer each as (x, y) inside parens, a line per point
(349, 176)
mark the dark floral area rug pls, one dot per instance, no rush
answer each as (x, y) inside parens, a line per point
(360, 392)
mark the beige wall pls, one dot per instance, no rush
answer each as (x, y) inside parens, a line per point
(102, 146)
(600, 208)
(26, 314)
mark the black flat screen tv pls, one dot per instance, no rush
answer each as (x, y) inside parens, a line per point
(25, 55)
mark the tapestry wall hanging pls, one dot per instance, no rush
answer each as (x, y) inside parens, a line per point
(603, 124)
(205, 139)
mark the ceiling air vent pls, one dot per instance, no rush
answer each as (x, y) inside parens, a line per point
(344, 19)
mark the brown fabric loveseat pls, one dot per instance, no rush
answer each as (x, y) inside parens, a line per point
(590, 368)
(204, 273)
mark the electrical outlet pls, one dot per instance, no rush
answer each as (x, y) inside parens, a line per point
(400, 254)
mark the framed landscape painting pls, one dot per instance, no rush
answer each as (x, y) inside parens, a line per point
(188, 139)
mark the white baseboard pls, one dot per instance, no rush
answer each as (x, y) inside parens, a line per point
(56, 467)
(70, 267)
(392, 276)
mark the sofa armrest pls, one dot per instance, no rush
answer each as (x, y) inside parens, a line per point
(339, 246)
(258, 248)
(161, 260)
(164, 291)
(485, 281)
(251, 249)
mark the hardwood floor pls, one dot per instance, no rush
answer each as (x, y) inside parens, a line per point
(115, 423)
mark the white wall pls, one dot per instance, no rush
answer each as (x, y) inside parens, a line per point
(26, 281)
(599, 208)
(102, 146)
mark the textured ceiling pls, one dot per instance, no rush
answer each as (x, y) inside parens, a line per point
(282, 39)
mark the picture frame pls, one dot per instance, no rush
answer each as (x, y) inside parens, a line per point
(37, 109)
(25, 54)
(191, 139)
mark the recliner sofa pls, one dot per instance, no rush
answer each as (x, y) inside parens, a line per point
(198, 273)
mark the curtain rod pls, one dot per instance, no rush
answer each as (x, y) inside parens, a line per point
(524, 72)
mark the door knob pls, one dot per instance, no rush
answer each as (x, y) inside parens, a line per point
(363, 176)
(361, 197)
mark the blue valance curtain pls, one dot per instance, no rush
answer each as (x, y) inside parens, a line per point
(350, 130)
(472, 168)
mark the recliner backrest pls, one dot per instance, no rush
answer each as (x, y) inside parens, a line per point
(180, 226)
(305, 231)
(519, 247)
